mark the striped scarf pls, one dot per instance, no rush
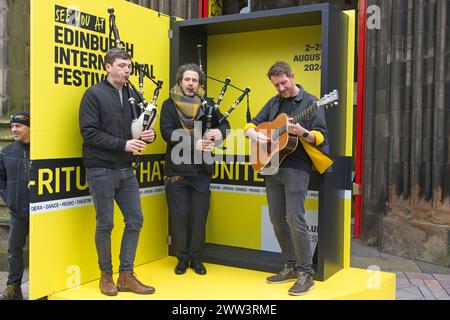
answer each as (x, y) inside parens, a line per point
(189, 109)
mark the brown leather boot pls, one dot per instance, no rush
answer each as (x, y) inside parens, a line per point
(127, 282)
(107, 285)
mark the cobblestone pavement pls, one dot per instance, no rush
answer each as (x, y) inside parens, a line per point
(416, 280)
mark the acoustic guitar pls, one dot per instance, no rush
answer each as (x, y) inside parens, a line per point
(267, 157)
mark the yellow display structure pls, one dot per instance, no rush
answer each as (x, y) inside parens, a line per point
(68, 40)
(227, 283)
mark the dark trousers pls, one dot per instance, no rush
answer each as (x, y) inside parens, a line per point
(18, 233)
(286, 193)
(188, 199)
(105, 186)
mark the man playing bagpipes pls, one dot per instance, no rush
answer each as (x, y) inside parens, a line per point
(105, 119)
(190, 126)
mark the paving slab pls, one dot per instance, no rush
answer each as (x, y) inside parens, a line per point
(441, 277)
(432, 268)
(360, 250)
(401, 283)
(420, 284)
(446, 285)
(419, 276)
(3, 279)
(437, 290)
(388, 265)
(409, 293)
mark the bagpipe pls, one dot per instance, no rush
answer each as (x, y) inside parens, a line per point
(145, 113)
(209, 107)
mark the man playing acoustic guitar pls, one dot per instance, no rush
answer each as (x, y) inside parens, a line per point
(286, 189)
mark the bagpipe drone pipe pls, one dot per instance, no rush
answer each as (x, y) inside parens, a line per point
(209, 105)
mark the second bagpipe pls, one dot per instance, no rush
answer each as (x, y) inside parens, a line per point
(210, 107)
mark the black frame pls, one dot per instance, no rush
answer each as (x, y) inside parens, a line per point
(329, 257)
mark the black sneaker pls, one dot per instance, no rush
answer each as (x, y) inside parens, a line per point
(285, 275)
(12, 292)
(303, 285)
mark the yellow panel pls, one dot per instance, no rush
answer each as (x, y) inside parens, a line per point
(246, 57)
(226, 283)
(54, 107)
(238, 223)
(235, 219)
(62, 245)
(350, 83)
(347, 231)
(349, 130)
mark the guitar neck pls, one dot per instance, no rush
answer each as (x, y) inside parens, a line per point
(305, 113)
(302, 115)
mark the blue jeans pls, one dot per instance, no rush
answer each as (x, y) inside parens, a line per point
(105, 186)
(286, 193)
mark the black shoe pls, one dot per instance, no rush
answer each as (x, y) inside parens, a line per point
(198, 267)
(182, 266)
(12, 292)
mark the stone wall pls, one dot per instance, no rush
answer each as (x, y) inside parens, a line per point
(18, 81)
(406, 191)
(14, 85)
(3, 56)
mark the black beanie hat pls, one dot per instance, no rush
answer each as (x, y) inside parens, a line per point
(21, 117)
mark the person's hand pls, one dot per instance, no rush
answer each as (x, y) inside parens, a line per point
(148, 136)
(135, 145)
(204, 145)
(214, 134)
(296, 129)
(257, 136)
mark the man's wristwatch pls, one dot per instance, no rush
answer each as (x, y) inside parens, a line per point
(305, 135)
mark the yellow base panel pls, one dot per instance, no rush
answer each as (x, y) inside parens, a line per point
(227, 283)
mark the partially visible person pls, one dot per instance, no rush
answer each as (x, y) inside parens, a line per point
(14, 179)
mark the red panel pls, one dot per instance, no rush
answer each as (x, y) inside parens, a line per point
(203, 8)
(359, 155)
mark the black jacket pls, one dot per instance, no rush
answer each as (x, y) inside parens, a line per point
(14, 178)
(105, 127)
(169, 122)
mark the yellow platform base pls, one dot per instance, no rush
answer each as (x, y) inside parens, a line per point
(227, 283)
